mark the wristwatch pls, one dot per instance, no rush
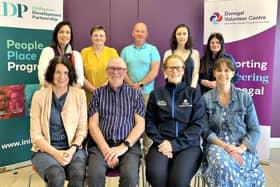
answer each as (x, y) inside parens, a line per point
(127, 144)
(77, 146)
(141, 84)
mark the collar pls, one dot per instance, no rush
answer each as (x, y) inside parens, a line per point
(120, 89)
(176, 87)
(142, 47)
(66, 51)
(233, 94)
(93, 49)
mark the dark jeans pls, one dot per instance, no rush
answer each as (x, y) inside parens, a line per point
(176, 172)
(54, 174)
(128, 166)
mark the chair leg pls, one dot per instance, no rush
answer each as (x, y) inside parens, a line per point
(202, 181)
(143, 172)
(199, 181)
(29, 179)
(195, 181)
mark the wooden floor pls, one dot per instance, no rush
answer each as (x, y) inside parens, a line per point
(19, 177)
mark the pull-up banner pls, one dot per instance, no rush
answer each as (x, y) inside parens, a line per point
(248, 27)
(25, 29)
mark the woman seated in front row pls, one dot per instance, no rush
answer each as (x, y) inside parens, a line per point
(58, 126)
(232, 133)
(174, 121)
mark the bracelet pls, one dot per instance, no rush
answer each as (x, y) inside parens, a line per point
(77, 146)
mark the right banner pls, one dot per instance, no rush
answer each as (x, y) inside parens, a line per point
(248, 27)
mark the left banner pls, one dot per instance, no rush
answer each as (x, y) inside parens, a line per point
(25, 29)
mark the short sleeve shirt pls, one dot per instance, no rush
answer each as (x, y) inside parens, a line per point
(116, 110)
(139, 61)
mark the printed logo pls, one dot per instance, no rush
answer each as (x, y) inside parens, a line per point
(185, 103)
(161, 103)
(216, 18)
(12, 9)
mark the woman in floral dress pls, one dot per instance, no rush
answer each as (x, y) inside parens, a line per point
(232, 133)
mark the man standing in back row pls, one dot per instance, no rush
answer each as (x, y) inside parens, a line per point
(143, 61)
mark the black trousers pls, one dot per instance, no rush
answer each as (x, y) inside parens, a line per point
(128, 166)
(176, 172)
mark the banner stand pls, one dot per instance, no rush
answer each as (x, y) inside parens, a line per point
(26, 27)
(265, 162)
(263, 146)
(14, 167)
(245, 25)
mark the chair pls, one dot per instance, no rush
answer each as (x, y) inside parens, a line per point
(198, 179)
(112, 173)
(33, 171)
(142, 177)
(116, 173)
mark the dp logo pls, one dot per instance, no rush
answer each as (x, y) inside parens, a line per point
(12, 9)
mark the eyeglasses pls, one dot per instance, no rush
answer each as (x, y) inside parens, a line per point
(173, 68)
(118, 69)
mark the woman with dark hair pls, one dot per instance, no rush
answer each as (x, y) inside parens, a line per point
(181, 45)
(214, 50)
(61, 45)
(58, 126)
(95, 60)
(174, 121)
(232, 133)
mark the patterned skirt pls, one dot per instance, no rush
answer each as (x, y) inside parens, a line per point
(223, 171)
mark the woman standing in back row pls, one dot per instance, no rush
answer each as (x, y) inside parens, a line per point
(61, 45)
(214, 50)
(95, 59)
(181, 45)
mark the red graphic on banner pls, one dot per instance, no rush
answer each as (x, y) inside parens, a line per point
(12, 102)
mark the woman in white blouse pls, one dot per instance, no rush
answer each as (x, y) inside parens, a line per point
(61, 45)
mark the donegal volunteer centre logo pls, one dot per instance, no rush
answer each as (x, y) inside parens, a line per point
(12, 9)
(216, 18)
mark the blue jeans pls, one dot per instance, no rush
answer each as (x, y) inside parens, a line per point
(55, 174)
(128, 166)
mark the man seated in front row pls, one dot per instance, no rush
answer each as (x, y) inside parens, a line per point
(116, 122)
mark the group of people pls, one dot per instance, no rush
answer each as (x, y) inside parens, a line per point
(77, 134)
